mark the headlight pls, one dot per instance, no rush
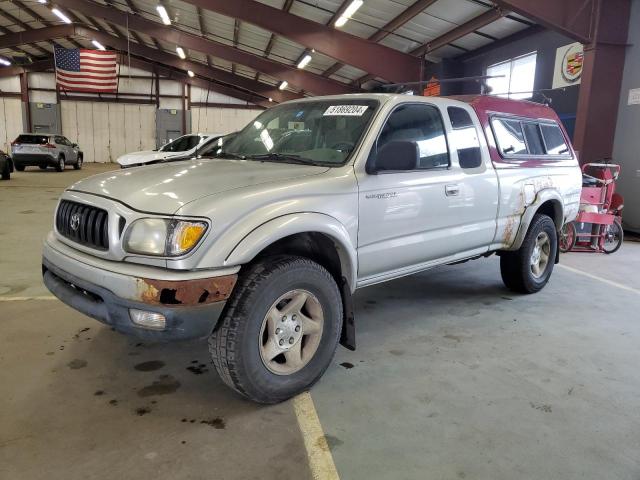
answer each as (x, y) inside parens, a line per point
(164, 237)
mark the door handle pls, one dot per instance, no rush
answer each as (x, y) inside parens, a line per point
(451, 190)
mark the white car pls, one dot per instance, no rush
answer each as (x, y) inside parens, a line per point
(182, 148)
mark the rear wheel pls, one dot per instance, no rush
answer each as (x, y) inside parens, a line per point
(280, 329)
(60, 165)
(528, 269)
(567, 237)
(78, 164)
(613, 236)
(20, 168)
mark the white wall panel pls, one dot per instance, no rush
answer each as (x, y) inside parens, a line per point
(105, 131)
(220, 120)
(10, 121)
(117, 130)
(10, 84)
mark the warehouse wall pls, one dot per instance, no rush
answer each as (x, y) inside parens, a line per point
(545, 43)
(105, 130)
(626, 150)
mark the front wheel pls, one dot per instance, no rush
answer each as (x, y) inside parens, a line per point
(78, 164)
(279, 330)
(528, 269)
(20, 168)
(613, 236)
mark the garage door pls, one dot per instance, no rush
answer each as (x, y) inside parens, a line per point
(10, 122)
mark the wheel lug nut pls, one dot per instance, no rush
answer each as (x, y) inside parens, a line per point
(294, 317)
(290, 340)
(297, 328)
(281, 342)
(284, 318)
(278, 331)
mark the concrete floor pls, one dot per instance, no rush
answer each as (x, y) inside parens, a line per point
(454, 377)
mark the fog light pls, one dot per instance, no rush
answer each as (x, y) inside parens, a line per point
(152, 320)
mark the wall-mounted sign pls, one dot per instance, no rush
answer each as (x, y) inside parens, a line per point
(39, 105)
(634, 96)
(173, 111)
(569, 65)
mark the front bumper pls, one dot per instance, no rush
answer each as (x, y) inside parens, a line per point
(191, 306)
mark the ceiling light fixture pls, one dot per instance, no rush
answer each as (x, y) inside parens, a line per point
(304, 61)
(190, 73)
(60, 15)
(349, 11)
(98, 45)
(270, 99)
(42, 1)
(181, 53)
(163, 14)
(4, 61)
(283, 85)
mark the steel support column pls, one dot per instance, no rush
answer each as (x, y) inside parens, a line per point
(601, 81)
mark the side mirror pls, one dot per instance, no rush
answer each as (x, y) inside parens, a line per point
(74, 145)
(396, 156)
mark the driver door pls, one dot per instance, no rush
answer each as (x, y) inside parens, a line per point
(405, 216)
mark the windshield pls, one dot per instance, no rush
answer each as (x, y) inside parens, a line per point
(32, 139)
(182, 144)
(317, 132)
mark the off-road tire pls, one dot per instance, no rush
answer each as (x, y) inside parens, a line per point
(515, 267)
(78, 164)
(60, 165)
(234, 344)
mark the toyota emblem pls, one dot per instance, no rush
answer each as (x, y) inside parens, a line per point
(75, 221)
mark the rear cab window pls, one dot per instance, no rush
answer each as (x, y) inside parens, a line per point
(525, 138)
(32, 139)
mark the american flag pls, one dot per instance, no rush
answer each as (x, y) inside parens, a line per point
(86, 70)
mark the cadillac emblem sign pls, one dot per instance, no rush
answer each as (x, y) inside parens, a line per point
(572, 63)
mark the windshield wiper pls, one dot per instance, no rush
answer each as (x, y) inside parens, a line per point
(284, 157)
(232, 156)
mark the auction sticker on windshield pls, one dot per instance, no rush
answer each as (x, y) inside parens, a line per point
(346, 110)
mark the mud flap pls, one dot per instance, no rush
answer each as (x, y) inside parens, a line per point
(348, 334)
(557, 247)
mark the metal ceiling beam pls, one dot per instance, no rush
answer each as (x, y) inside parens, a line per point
(216, 75)
(460, 31)
(301, 78)
(450, 36)
(40, 19)
(570, 17)
(272, 39)
(24, 25)
(33, 67)
(359, 52)
(408, 14)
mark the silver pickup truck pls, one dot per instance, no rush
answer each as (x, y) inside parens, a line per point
(261, 248)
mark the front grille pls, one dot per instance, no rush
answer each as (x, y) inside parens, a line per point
(83, 224)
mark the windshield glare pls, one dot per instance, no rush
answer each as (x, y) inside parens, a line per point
(323, 132)
(182, 144)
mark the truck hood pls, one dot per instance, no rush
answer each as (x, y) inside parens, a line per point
(146, 156)
(166, 187)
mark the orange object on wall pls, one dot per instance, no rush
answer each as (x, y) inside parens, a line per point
(432, 88)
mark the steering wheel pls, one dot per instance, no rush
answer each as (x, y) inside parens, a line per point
(343, 146)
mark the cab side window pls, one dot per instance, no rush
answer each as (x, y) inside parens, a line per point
(465, 138)
(554, 140)
(421, 124)
(509, 136)
(534, 138)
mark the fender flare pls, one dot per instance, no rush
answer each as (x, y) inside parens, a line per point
(543, 196)
(278, 228)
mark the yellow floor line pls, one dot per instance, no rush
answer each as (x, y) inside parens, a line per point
(22, 299)
(604, 280)
(318, 453)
